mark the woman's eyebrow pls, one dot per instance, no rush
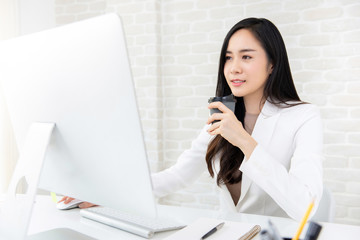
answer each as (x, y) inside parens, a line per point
(247, 50)
(243, 50)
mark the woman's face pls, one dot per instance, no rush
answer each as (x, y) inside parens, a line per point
(246, 66)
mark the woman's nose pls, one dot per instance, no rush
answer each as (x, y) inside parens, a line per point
(235, 67)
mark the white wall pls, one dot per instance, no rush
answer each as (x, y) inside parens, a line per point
(8, 19)
(174, 47)
(8, 29)
(36, 15)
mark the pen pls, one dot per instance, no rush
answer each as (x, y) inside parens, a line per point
(304, 220)
(250, 234)
(212, 231)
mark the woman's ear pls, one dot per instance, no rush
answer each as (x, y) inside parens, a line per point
(271, 68)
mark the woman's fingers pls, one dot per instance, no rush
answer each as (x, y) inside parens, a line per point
(218, 116)
(213, 117)
(220, 106)
(212, 130)
(86, 205)
(66, 199)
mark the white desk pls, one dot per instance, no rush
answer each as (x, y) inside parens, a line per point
(46, 217)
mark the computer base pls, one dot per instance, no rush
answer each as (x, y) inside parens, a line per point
(59, 234)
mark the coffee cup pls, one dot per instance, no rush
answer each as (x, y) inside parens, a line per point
(229, 101)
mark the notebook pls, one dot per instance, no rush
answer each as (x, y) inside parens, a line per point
(230, 230)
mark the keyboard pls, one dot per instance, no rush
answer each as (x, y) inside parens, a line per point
(139, 225)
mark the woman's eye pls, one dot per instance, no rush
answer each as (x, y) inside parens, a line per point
(246, 57)
(227, 58)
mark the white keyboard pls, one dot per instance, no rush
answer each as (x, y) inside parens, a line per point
(142, 226)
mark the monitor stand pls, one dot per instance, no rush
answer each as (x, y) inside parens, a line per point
(16, 210)
(59, 234)
(30, 166)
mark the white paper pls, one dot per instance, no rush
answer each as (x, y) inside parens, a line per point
(194, 231)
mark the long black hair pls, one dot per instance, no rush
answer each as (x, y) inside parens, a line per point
(279, 90)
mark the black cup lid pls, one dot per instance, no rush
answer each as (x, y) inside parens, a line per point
(228, 98)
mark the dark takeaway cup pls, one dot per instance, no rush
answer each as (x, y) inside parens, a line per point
(229, 101)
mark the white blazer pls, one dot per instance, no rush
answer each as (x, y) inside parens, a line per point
(282, 175)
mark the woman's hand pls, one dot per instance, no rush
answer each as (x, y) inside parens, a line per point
(230, 128)
(67, 200)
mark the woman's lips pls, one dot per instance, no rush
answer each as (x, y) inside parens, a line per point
(237, 82)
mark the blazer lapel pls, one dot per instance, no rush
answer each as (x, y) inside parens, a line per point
(266, 123)
(245, 185)
(262, 133)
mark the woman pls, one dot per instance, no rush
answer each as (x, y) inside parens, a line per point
(266, 156)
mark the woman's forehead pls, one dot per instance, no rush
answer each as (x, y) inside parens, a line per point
(243, 40)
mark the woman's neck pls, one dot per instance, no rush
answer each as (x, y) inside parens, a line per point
(254, 105)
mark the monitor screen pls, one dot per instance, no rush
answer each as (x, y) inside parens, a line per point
(78, 76)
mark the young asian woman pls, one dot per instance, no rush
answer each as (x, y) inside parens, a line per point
(266, 156)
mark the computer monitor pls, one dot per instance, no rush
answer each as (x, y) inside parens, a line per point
(78, 77)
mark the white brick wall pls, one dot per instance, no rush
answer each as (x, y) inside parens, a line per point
(174, 47)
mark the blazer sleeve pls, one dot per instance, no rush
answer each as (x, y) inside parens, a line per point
(294, 188)
(189, 166)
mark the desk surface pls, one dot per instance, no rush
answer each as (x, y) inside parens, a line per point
(46, 216)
